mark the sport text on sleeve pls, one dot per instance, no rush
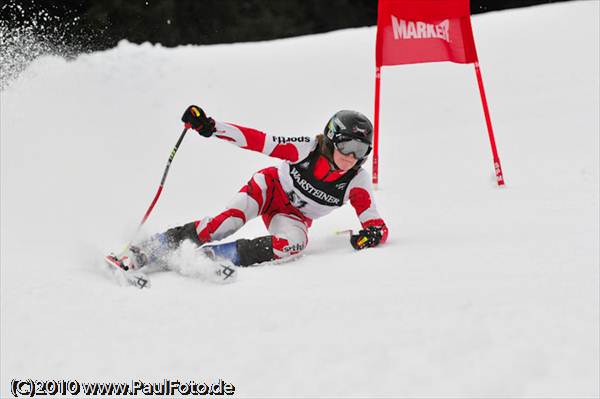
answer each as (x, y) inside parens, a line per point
(291, 149)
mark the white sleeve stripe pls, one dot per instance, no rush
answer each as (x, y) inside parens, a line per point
(232, 132)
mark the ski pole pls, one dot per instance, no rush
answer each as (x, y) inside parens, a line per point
(164, 177)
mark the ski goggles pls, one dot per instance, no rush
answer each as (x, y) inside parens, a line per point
(358, 148)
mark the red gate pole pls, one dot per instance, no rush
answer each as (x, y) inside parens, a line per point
(376, 132)
(488, 121)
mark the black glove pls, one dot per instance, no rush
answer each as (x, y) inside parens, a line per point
(196, 118)
(369, 237)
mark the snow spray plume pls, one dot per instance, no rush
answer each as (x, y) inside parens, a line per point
(29, 31)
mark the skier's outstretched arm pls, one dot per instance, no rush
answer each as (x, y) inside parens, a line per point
(374, 231)
(290, 149)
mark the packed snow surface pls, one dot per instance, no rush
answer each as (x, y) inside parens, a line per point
(480, 291)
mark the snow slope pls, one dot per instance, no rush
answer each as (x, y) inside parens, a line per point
(480, 291)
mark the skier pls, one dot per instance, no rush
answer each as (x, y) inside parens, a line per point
(318, 175)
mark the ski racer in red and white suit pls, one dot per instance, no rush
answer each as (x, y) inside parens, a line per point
(313, 180)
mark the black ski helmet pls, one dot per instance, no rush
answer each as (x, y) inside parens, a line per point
(349, 125)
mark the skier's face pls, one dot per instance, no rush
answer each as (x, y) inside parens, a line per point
(344, 162)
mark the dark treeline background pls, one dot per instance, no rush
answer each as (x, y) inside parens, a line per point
(102, 23)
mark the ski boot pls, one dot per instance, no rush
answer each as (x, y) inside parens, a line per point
(156, 249)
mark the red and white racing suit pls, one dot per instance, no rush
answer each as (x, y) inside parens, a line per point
(290, 196)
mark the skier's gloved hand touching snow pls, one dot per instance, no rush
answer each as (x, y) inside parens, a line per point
(194, 117)
(366, 238)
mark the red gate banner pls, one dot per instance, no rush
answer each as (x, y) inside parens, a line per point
(415, 31)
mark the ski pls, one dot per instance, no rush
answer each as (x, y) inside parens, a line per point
(133, 277)
(220, 270)
(224, 273)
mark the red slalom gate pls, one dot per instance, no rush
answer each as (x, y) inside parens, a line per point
(418, 31)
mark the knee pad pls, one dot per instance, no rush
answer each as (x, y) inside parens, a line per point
(284, 246)
(254, 251)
